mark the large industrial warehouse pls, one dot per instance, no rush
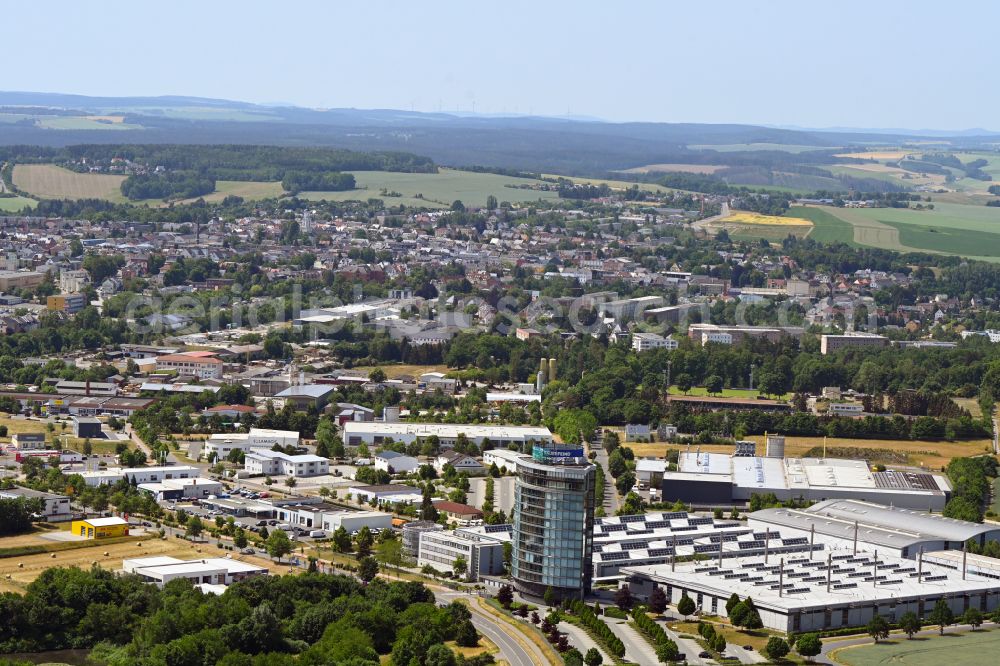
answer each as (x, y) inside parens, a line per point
(887, 529)
(826, 591)
(711, 479)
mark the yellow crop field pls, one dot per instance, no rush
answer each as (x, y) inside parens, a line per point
(876, 155)
(743, 217)
(48, 181)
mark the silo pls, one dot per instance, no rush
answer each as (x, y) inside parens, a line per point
(543, 370)
(390, 414)
(552, 369)
(775, 446)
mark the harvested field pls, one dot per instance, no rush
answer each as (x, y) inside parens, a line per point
(15, 578)
(48, 181)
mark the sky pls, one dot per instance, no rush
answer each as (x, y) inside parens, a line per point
(808, 63)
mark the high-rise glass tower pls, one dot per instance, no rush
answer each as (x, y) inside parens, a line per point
(554, 523)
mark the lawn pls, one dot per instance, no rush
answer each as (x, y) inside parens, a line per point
(930, 455)
(436, 190)
(48, 181)
(15, 204)
(952, 648)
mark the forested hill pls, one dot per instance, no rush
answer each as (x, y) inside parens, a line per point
(223, 162)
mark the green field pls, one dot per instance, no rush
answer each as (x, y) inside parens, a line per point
(79, 123)
(245, 189)
(15, 204)
(968, 648)
(437, 189)
(962, 229)
(740, 147)
(827, 228)
(773, 233)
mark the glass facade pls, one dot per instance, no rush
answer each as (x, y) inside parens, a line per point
(553, 528)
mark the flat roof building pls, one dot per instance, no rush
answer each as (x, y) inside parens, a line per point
(482, 554)
(888, 529)
(275, 463)
(356, 433)
(708, 479)
(210, 571)
(55, 508)
(831, 343)
(830, 590)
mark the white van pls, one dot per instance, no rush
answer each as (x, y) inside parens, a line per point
(317, 534)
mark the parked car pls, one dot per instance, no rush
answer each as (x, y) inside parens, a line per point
(704, 655)
(261, 523)
(748, 647)
(248, 551)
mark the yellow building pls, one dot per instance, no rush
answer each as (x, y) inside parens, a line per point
(100, 528)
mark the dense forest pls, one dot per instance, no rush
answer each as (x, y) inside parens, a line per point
(180, 184)
(224, 162)
(308, 619)
(300, 181)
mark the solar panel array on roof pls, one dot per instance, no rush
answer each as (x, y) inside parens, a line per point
(933, 578)
(683, 528)
(705, 547)
(715, 538)
(898, 480)
(747, 545)
(795, 541)
(660, 552)
(634, 545)
(615, 555)
(658, 524)
(844, 586)
(614, 527)
(700, 521)
(633, 519)
(493, 529)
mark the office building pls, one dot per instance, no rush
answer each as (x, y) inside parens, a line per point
(68, 303)
(28, 441)
(482, 554)
(646, 341)
(411, 536)
(194, 364)
(139, 474)
(222, 444)
(55, 508)
(210, 571)
(831, 343)
(276, 463)
(554, 523)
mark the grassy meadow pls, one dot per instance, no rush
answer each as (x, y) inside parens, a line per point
(14, 204)
(436, 190)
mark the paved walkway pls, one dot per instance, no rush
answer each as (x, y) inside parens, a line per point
(582, 641)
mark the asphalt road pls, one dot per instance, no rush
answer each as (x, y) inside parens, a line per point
(512, 651)
(610, 501)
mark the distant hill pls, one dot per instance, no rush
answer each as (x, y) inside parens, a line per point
(537, 144)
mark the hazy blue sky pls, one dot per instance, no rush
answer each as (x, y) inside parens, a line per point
(872, 63)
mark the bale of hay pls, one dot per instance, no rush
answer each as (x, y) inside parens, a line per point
(20, 565)
(53, 556)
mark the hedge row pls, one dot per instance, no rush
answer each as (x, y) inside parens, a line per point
(596, 625)
(666, 649)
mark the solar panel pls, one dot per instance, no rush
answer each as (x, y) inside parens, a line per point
(844, 586)
(705, 547)
(616, 555)
(686, 541)
(634, 519)
(683, 528)
(842, 557)
(857, 574)
(905, 570)
(614, 527)
(798, 590)
(747, 545)
(891, 581)
(634, 545)
(700, 521)
(932, 578)
(658, 524)
(660, 552)
(794, 541)
(704, 569)
(493, 529)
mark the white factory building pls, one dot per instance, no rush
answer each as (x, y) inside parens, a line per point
(377, 433)
(330, 517)
(182, 489)
(222, 444)
(655, 538)
(276, 463)
(828, 591)
(710, 479)
(211, 572)
(875, 527)
(139, 474)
